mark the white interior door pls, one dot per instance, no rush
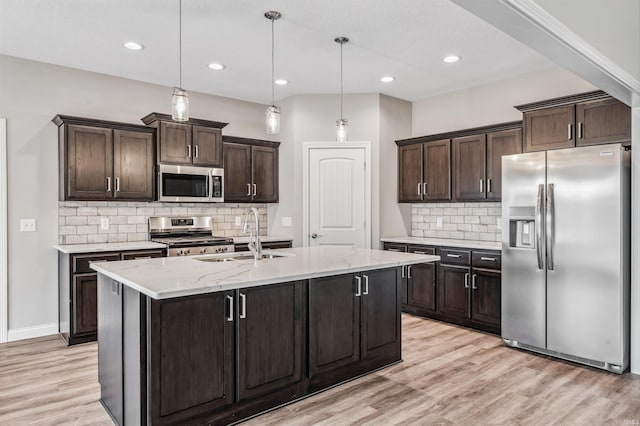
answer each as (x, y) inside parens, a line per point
(338, 196)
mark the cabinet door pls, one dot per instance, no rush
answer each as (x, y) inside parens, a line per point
(264, 175)
(271, 338)
(334, 323)
(175, 143)
(192, 357)
(507, 142)
(237, 172)
(437, 170)
(453, 290)
(422, 286)
(549, 128)
(410, 173)
(380, 313)
(485, 299)
(89, 163)
(133, 162)
(207, 146)
(469, 172)
(85, 304)
(142, 254)
(604, 121)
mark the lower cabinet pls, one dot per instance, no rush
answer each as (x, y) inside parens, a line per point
(421, 282)
(266, 245)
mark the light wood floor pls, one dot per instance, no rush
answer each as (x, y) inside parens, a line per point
(449, 375)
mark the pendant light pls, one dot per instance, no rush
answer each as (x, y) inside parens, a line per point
(180, 98)
(342, 131)
(272, 113)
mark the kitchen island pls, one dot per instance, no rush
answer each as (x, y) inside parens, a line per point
(208, 339)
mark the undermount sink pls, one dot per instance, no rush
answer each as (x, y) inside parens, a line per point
(232, 257)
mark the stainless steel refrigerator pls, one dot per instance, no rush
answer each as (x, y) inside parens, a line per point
(566, 254)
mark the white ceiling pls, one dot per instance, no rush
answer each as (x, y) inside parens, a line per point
(403, 38)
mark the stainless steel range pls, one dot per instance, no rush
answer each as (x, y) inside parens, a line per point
(188, 236)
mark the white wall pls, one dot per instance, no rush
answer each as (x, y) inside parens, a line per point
(492, 103)
(32, 93)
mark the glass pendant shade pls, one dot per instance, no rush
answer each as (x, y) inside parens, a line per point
(180, 105)
(342, 131)
(273, 120)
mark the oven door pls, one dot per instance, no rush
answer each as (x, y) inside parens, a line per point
(184, 184)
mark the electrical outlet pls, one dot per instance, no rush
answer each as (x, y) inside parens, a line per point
(104, 223)
(499, 222)
(238, 221)
(27, 225)
(438, 222)
(286, 221)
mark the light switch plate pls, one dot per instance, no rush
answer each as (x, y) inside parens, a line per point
(27, 225)
(286, 221)
(438, 222)
(104, 223)
(238, 221)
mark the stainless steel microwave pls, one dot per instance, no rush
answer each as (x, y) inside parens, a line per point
(190, 184)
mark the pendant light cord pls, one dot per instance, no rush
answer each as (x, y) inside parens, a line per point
(180, 42)
(341, 115)
(273, 87)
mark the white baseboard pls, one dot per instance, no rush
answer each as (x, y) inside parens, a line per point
(31, 332)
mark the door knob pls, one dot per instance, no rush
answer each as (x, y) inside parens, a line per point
(314, 235)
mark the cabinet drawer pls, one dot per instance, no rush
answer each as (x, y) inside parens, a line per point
(486, 259)
(81, 263)
(277, 245)
(455, 257)
(142, 254)
(395, 247)
(421, 250)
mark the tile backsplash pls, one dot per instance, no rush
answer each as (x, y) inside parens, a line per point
(461, 221)
(79, 221)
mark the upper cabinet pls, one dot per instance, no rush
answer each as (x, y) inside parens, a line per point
(250, 170)
(587, 119)
(102, 160)
(194, 142)
(469, 161)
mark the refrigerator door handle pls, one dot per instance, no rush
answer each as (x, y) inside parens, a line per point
(538, 226)
(550, 228)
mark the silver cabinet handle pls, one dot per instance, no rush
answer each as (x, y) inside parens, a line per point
(419, 252)
(195, 151)
(579, 129)
(188, 151)
(481, 185)
(366, 285)
(550, 231)
(466, 280)
(108, 184)
(402, 274)
(490, 259)
(255, 189)
(358, 286)
(453, 255)
(243, 303)
(473, 282)
(393, 249)
(117, 184)
(570, 131)
(248, 189)
(141, 257)
(230, 299)
(419, 188)
(538, 225)
(424, 188)
(409, 271)
(488, 186)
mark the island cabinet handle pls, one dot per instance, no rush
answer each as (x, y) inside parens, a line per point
(366, 284)
(490, 259)
(358, 286)
(230, 299)
(473, 282)
(453, 255)
(402, 271)
(243, 302)
(249, 189)
(409, 271)
(419, 252)
(393, 249)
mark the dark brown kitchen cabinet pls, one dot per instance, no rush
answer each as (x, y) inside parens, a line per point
(250, 170)
(453, 291)
(469, 167)
(102, 160)
(584, 119)
(267, 245)
(410, 173)
(499, 144)
(194, 142)
(485, 299)
(77, 291)
(424, 171)
(421, 281)
(354, 324)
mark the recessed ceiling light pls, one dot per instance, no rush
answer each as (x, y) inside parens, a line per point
(215, 66)
(387, 79)
(281, 82)
(451, 59)
(132, 45)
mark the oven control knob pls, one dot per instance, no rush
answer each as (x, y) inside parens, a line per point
(187, 252)
(179, 252)
(203, 250)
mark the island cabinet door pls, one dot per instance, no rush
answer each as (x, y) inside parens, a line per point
(334, 323)
(271, 339)
(191, 356)
(381, 298)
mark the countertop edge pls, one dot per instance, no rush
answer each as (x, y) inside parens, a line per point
(444, 242)
(106, 247)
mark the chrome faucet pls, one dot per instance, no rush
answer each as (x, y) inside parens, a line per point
(254, 245)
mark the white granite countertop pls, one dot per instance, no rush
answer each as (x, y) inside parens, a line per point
(264, 239)
(483, 245)
(102, 247)
(167, 277)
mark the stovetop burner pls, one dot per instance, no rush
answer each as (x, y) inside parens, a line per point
(185, 231)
